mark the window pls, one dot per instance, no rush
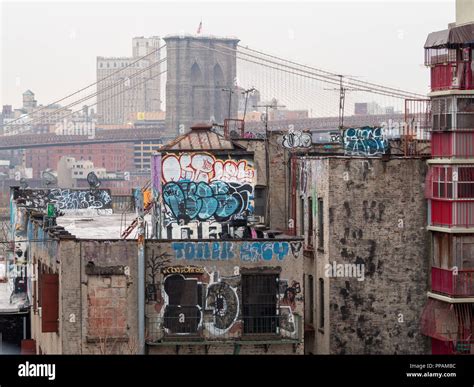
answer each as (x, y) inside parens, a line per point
(465, 113)
(311, 298)
(301, 216)
(442, 109)
(310, 221)
(321, 303)
(259, 299)
(260, 200)
(443, 182)
(49, 302)
(320, 223)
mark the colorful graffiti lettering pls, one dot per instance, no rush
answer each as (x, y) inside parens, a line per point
(296, 139)
(365, 141)
(198, 188)
(190, 251)
(224, 251)
(205, 167)
(263, 251)
(202, 201)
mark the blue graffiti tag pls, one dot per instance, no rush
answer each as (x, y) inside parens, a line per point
(263, 251)
(201, 201)
(203, 251)
(365, 141)
(224, 251)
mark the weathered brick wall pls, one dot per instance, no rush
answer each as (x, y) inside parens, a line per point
(109, 296)
(70, 313)
(198, 284)
(45, 254)
(278, 182)
(377, 215)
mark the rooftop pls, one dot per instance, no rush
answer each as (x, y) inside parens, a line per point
(99, 226)
(201, 137)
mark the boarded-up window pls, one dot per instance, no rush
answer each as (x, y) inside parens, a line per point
(107, 306)
(49, 302)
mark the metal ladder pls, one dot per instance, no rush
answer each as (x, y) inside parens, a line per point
(125, 233)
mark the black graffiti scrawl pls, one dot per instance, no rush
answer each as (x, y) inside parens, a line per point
(64, 199)
(223, 300)
(182, 313)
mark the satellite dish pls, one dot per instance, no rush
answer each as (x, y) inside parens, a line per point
(93, 180)
(23, 183)
(48, 178)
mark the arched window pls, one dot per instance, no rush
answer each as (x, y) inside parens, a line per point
(196, 75)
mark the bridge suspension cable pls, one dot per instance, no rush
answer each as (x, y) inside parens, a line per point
(92, 95)
(131, 64)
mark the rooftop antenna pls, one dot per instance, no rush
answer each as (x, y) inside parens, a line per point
(343, 87)
(93, 180)
(48, 178)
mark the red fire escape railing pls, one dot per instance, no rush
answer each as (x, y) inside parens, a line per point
(447, 282)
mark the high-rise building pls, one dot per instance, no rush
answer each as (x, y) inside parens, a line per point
(29, 102)
(124, 87)
(448, 317)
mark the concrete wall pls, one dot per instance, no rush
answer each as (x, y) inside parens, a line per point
(374, 215)
(197, 287)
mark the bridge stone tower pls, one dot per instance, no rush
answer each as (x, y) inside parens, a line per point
(198, 69)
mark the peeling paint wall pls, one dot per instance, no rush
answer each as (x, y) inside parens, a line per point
(194, 292)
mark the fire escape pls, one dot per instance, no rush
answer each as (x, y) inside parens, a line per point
(448, 315)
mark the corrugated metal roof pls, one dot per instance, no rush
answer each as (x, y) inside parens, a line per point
(201, 137)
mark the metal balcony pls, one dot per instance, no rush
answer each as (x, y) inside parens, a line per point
(210, 330)
(446, 281)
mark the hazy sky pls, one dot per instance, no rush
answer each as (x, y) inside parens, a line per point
(51, 47)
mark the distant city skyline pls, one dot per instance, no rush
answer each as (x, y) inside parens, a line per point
(61, 40)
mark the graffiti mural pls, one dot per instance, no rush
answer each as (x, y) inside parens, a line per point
(365, 141)
(182, 314)
(65, 200)
(263, 251)
(335, 136)
(296, 139)
(206, 300)
(200, 189)
(203, 251)
(225, 251)
(223, 302)
(202, 201)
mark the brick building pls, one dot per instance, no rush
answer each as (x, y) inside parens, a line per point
(218, 284)
(358, 206)
(128, 86)
(117, 157)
